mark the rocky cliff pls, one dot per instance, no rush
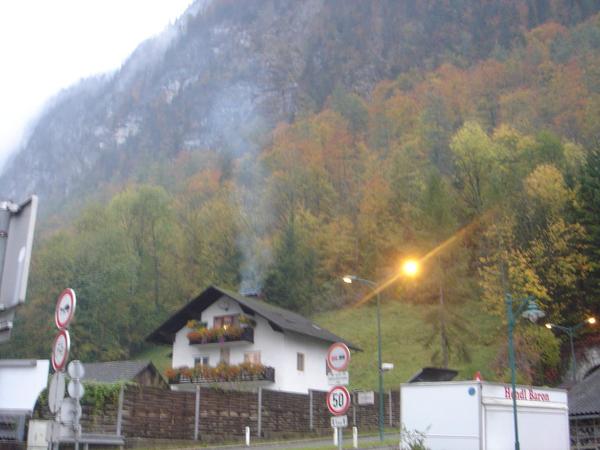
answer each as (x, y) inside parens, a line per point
(228, 71)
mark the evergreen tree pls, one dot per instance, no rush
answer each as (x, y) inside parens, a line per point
(291, 282)
(589, 212)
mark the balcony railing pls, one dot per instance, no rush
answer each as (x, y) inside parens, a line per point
(225, 375)
(221, 335)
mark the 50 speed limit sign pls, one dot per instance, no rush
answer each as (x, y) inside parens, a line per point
(338, 400)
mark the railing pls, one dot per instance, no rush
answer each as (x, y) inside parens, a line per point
(246, 335)
(267, 374)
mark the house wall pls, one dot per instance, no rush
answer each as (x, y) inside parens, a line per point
(278, 350)
(150, 377)
(314, 375)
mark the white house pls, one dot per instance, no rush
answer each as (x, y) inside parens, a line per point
(254, 344)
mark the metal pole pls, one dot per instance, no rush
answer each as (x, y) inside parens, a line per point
(379, 369)
(390, 408)
(197, 413)
(311, 425)
(4, 222)
(573, 361)
(400, 411)
(120, 410)
(511, 355)
(259, 424)
(354, 403)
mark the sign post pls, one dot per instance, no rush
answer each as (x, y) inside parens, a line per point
(67, 409)
(338, 397)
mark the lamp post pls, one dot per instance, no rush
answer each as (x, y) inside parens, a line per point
(410, 268)
(527, 308)
(570, 332)
(349, 279)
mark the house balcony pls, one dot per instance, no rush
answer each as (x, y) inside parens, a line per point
(240, 376)
(221, 336)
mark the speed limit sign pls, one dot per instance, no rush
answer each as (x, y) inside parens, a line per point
(338, 400)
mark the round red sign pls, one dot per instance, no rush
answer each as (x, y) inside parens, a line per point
(60, 350)
(65, 308)
(338, 400)
(338, 356)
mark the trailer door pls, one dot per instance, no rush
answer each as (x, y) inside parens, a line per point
(539, 428)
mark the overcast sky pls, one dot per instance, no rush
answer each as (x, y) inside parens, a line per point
(46, 45)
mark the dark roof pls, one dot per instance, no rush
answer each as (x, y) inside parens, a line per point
(114, 371)
(584, 398)
(433, 374)
(280, 319)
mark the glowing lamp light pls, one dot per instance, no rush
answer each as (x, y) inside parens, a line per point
(348, 278)
(411, 267)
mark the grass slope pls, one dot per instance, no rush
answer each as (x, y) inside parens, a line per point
(403, 329)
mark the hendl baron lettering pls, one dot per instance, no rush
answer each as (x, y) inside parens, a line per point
(526, 394)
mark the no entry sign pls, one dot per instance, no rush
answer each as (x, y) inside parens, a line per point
(338, 356)
(60, 350)
(65, 308)
(338, 400)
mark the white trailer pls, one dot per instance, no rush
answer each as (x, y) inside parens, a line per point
(476, 415)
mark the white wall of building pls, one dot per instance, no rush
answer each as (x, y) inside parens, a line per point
(21, 382)
(278, 350)
(472, 415)
(314, 375)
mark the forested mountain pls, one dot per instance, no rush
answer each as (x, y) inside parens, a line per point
(227, 71)
(277, 145)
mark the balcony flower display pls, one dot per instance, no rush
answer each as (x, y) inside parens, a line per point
(246, 321)
(211, 335)
(223, 372)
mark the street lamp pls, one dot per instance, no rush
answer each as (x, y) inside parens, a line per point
(571, 331)
(530, 310)
(409, 268)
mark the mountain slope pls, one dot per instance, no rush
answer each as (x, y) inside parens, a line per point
(227, 71)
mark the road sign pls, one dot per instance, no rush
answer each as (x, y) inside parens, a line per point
(56, 391)
(16, 240)
(70, 411)
(76, 389)
(366, 398)
(75, 369)
(339, 421)
(338, 400)
(65, 308)
(338, 356)
(60, 350)
(338, 378)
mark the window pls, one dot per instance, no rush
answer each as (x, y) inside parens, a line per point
(300, 361)
(224, 356)
(223, 321)
(252, 357)
(201, 361)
